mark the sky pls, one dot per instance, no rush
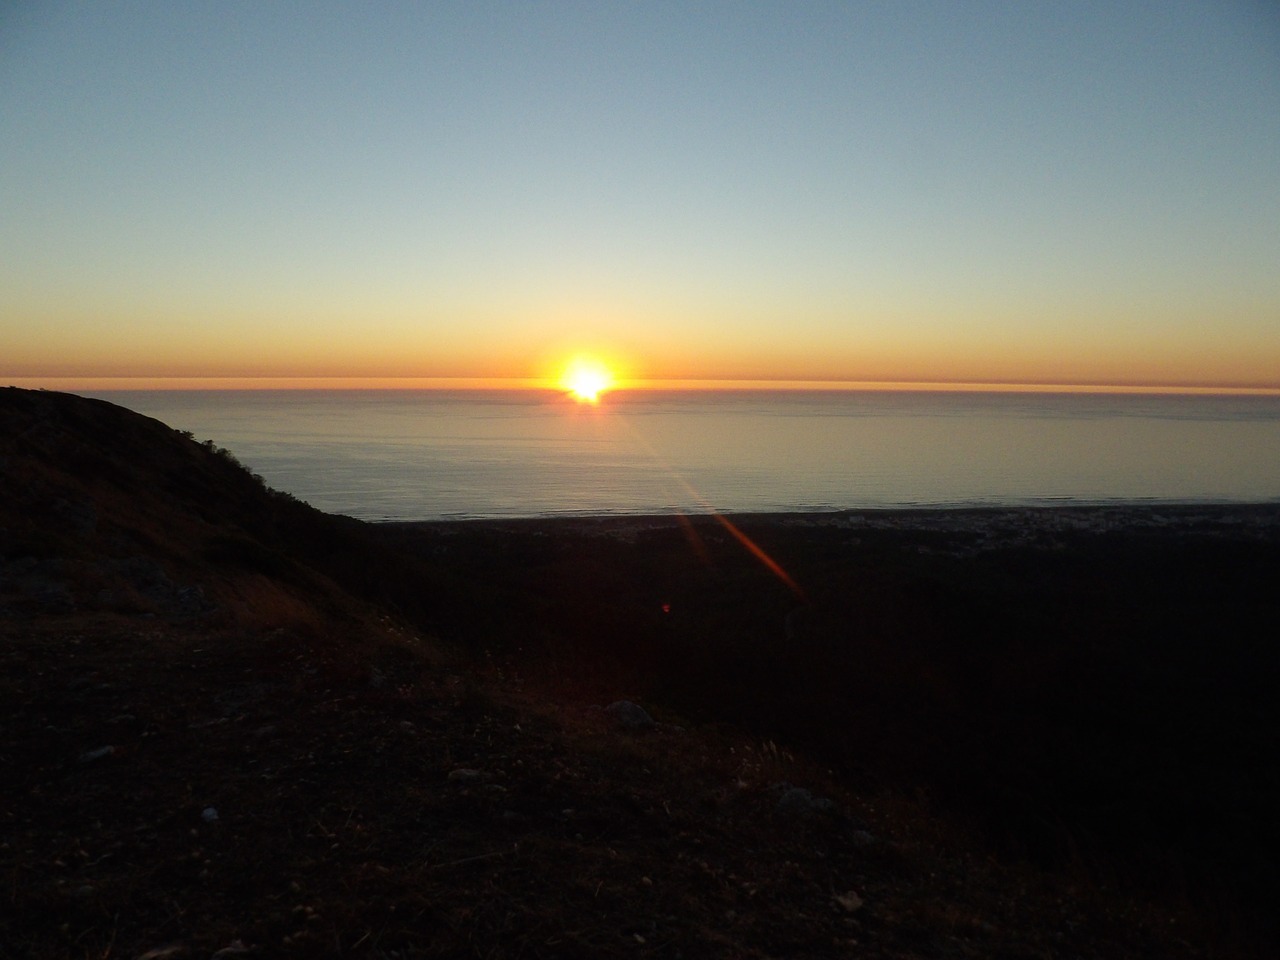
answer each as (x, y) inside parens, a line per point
(980, 192)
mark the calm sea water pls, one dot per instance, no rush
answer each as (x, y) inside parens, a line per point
(411, 455)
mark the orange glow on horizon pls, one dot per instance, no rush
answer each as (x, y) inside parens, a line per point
(98, 383)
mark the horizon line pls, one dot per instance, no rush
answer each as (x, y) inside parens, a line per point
(148, 383)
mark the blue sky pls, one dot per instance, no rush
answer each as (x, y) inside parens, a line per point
(1083, 192)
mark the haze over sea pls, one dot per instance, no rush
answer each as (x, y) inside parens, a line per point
(444, 454)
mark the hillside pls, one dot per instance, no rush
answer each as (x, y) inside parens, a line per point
(109, 511)
(234, 725)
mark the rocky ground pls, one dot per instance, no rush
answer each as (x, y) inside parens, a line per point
(173, 791)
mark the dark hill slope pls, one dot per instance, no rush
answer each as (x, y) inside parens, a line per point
(102, 509)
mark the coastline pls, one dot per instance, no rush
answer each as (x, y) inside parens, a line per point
(1006, 520)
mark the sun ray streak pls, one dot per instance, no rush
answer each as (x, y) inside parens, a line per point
(753, 548)
(759, 553)
(696, 543)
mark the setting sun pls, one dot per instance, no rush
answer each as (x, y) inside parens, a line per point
(586, 379)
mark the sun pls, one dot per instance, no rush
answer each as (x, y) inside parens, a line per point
(585, 379)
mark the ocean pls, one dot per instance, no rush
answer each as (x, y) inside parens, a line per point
(452, 454)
